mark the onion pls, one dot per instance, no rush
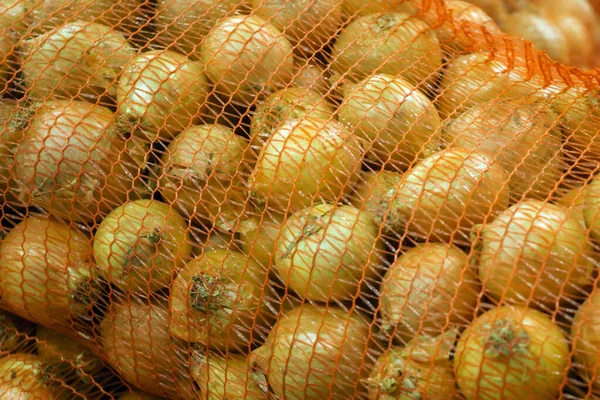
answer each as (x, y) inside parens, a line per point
(317, 352)
(24, 376)
(227, 377)
(8, 41)
(535, 253)
(163, 91)
(247, 57)
(579, 39)
(78, 59)
(391, 43)
(579, 9)
(258, 236)
(74, 161)
(136, 342)
(428, 289)
(375, 194)
(399, 123)
(182, 24)
(524, 138)
(420, 370)
(444, 195)
(137, 395)
(202, 174)
(591, 208)
(511, 353)
(217, 300)
(289, 103)
(308, 26)
(311, 76)
(140, 245)
(47, 274)
(214, 239)
(14, 332)
(327, 252)
(360, 8)
(494, 8)
(306, 159)
(573, 201)
(585, 340)
(12, 118)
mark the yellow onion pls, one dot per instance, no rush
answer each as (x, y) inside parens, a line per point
(24, 376)
(227, 377)
(163, 91)
(511, 353)
(375, 192)
(202, 174)
(579, 39)
(140, 245)
(494, 8)
(428, 289)
(137, 395)
(524, 138)
(258, 236)
(359, 8)
(307, 25)
(398, 122)
(311, 76)
(74, 161)
(182, 24)
(573, 201)
(247, 57)
(443, 196)
(542, 32)
(289, 103)
(534, 253)
(137, 344)
(9, 19)
(582, 10)
(14, 333)
(47, 273)
(78, 59)
(591, 208)
(391, 43)
(420, 370)
(217, 300)
(317, 352)
(328, 252)
(304, 160)
(585, 339)
(13, 116)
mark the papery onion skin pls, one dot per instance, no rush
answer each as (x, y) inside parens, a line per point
(428, 289)
(398, 122)
(585, 340)
(203, 172)
(328, 252)
(374, 193)
(217, 300)
(77, 59)
(511, 352)
(140, 245)
(420, 370)
(307, 25)
(47, 273)
(388, 43)
(306, 159)
(23, 376)
(226, 377)
(247, 57)
(443, 196)
(317, 352)
(137, 344)
(162, 90)
(74, 161)
(535, 253)
(14, 332)
(258, 236)
(524, 138)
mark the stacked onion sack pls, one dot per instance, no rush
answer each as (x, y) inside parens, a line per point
(289, 199)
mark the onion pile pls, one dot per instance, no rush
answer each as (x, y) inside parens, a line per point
(584, 333)
(591, 208)
(23, 376)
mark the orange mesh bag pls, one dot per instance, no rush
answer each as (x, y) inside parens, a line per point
(299, 199)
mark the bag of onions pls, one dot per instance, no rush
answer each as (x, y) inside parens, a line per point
(304, 200)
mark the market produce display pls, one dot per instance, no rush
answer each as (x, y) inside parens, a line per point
(304, 200)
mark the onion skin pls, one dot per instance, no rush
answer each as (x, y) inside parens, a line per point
(140, 245)
(47, 274)
(14, 332)
(420, 370)
(428, 289)
(77, 59)
(535, 253)
(327, 252)
(306, 159)
(202, 174)
(307, 25)
(391, 43)
(258, 236)
(136, 342)
(246, 57)
(74, 161)
(374, 193)
(23, 376)
(585, 340)
(494, 8)
(311, 76)
(327, 348)
(573, 201)
(398, 122)
(226, 377)
(9, 20)
(162, 90)
(10, 136)
(524, 138)
(511, 352)
(579, 40)
(443, 196)
(217, 300)
(591, 208)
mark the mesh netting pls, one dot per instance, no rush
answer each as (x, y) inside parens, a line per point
(294, 199)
